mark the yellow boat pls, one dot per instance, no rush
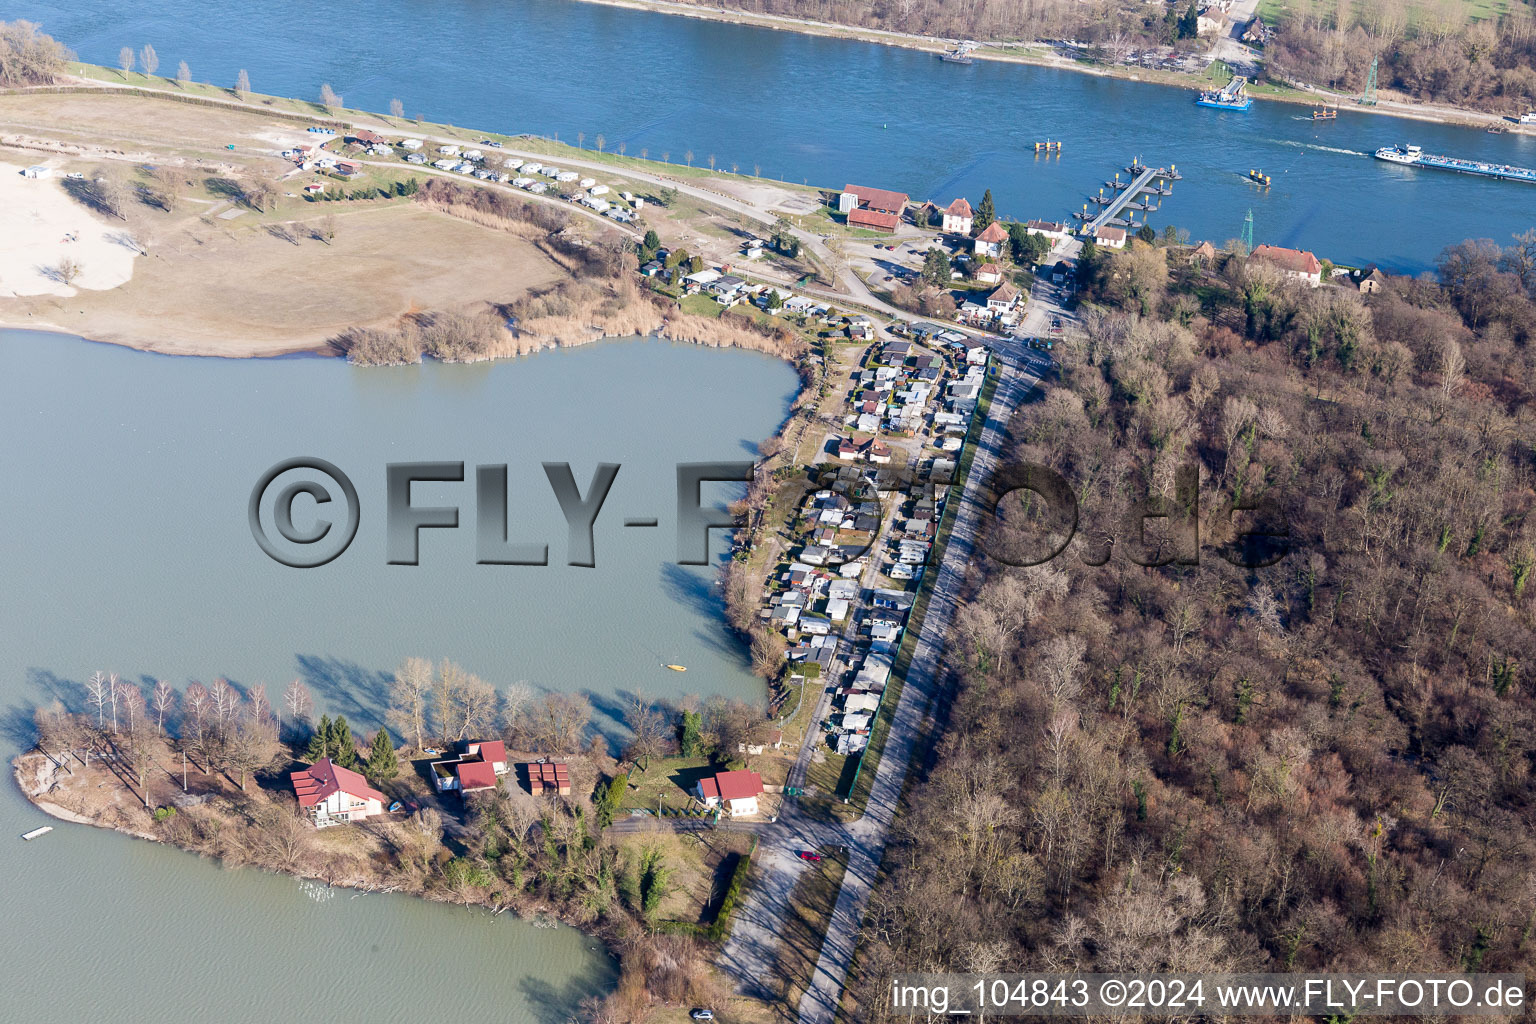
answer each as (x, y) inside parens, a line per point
(678, 668)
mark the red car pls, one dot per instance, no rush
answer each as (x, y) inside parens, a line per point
(808, 855)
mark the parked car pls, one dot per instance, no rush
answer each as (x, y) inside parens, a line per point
(808, 855)
(702, 1015)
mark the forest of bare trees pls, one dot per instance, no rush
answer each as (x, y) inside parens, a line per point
(967, 19)
(27, 56)
(1323, 764)
(1430, 52)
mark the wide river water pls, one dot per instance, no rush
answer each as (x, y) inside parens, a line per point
(827, 111)
(126, 547)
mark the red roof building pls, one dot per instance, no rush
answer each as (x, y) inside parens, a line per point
(990, 241)
(476, 769)
(959, 208)
(873, 220)
(549, 776)
(1298, 263)
(367, 137)
(878, 199)
(994, 232)
(475, 776)
(736, 791)
(492, 751)
(333, 794)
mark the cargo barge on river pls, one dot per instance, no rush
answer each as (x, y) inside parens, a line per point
(1413, 156)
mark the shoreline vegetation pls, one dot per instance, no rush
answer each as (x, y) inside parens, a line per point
(206, 769)
(1038, 53)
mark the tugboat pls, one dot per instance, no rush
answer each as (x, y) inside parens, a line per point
(1259, 178)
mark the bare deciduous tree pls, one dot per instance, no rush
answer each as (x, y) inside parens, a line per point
(96, 696)
(114, 693)
(242, 84)
(296, 700)
(68, 270)
(163, 701)
(125, 60)
(329, 98)
(149, 60)
(198, 702)
(410, 700)
(183, 74)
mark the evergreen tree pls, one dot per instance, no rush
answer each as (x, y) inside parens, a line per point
(689, 742)
(1189, 24)
(1147, 234)
(696, 264)
(652, 239)
(936, 268)
(986, 213)
(383, 762)
(319, 741)
(343, 744)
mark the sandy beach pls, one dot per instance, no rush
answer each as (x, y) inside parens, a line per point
(41, 226)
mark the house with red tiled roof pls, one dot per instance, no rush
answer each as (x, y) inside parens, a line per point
(990, 241)
(736, 792)
(548, 777)
(1300, 264)
(958, 217)
(475, 770)
(332, 795)
(989, 273)
(873, 220)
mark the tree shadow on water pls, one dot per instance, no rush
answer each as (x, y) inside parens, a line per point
(362, 694)
(558, 1004)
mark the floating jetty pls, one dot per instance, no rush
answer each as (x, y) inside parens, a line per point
(961, 54)
(1326, 114)
(1413, 156)
(1135, 195)
(44, 830)
(1232, 96)
(1259, 178)
(1048, 147)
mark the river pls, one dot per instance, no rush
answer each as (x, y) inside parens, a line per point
(127, 547)
(826, 111)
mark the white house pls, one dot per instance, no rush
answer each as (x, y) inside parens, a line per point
(736, 792)
(958, 217)
(1111, 236)
(410, 144)
(991, 240)
(448, 150)
(333, 795)
(1050, 229)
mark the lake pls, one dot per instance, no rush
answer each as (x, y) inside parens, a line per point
(828, 111)
(127, 548)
